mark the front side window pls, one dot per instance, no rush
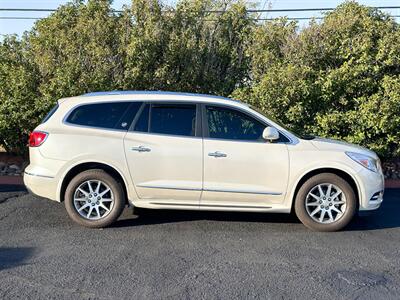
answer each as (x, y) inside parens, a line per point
(230, 124)
(115, 115)
(173, 119)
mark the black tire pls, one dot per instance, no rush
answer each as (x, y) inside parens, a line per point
(115, 187)
(304, 216)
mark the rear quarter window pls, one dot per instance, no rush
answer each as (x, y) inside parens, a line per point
(115, 115)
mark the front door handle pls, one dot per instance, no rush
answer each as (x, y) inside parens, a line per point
(141, 149)
(217, 154)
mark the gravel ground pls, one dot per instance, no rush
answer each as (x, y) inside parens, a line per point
(170, 254)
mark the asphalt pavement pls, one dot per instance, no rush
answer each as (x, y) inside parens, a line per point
(194, 255)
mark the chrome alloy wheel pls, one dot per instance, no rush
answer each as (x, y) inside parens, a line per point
(93, 199)
(325, 203)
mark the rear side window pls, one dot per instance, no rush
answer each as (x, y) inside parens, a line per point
(116, 115)
(50, 113)
(173, 119)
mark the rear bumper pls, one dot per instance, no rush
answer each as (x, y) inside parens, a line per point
(40, 185)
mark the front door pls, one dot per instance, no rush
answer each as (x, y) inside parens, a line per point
(241, 170)
(164, 154)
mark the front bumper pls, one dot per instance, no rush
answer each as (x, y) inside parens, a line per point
(371, 189)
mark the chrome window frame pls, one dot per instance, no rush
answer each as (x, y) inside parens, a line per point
(201, 120)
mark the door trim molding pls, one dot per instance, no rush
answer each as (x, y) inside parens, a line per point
(169, 188)
(242, 192)
(210, 190)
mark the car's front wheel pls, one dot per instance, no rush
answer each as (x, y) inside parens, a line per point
(94, 199)
(325, 202)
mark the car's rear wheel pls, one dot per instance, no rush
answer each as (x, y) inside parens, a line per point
(325, 202)
(94, 199)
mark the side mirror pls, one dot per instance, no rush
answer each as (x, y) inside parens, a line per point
(270, 134)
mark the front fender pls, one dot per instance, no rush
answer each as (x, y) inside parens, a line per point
(322, 166)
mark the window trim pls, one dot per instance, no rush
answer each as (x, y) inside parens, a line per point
(206, 134)
(136, 118)
(130, 102)
(198, 125)
(201, 119)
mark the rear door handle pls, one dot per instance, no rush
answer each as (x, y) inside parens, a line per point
(141, 149)
(217, 154)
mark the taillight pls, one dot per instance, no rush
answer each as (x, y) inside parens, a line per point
(36, 138)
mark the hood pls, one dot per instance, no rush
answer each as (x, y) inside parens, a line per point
(335, 145)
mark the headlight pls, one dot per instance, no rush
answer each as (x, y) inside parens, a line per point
(364, 160)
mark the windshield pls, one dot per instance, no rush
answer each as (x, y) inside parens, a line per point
(301, 135)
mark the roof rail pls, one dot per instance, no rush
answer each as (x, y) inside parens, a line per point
(92, 94)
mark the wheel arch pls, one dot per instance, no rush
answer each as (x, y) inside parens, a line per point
(343, 174)
(83, 166)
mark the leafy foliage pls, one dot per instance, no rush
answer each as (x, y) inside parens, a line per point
(339, 77)
(18, 95)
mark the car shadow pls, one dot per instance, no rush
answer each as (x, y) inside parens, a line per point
(12, 188)
(385, 217)
(14, 257)
(153, 217)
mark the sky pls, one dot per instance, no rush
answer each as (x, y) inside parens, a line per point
(12, 26)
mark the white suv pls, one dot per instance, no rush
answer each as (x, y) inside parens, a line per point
(101, 151)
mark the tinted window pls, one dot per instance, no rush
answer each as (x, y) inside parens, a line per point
(173, 119)
(142, 123)
(224, 123)
(50, 113)
(104, 115)
(128, 117)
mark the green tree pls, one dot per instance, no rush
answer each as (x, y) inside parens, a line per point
(18, 94)
(78, 49)
(85, 46)
(188, 48)
(336, 78)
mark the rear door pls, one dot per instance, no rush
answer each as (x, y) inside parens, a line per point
(241, 170)
(164, 153)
